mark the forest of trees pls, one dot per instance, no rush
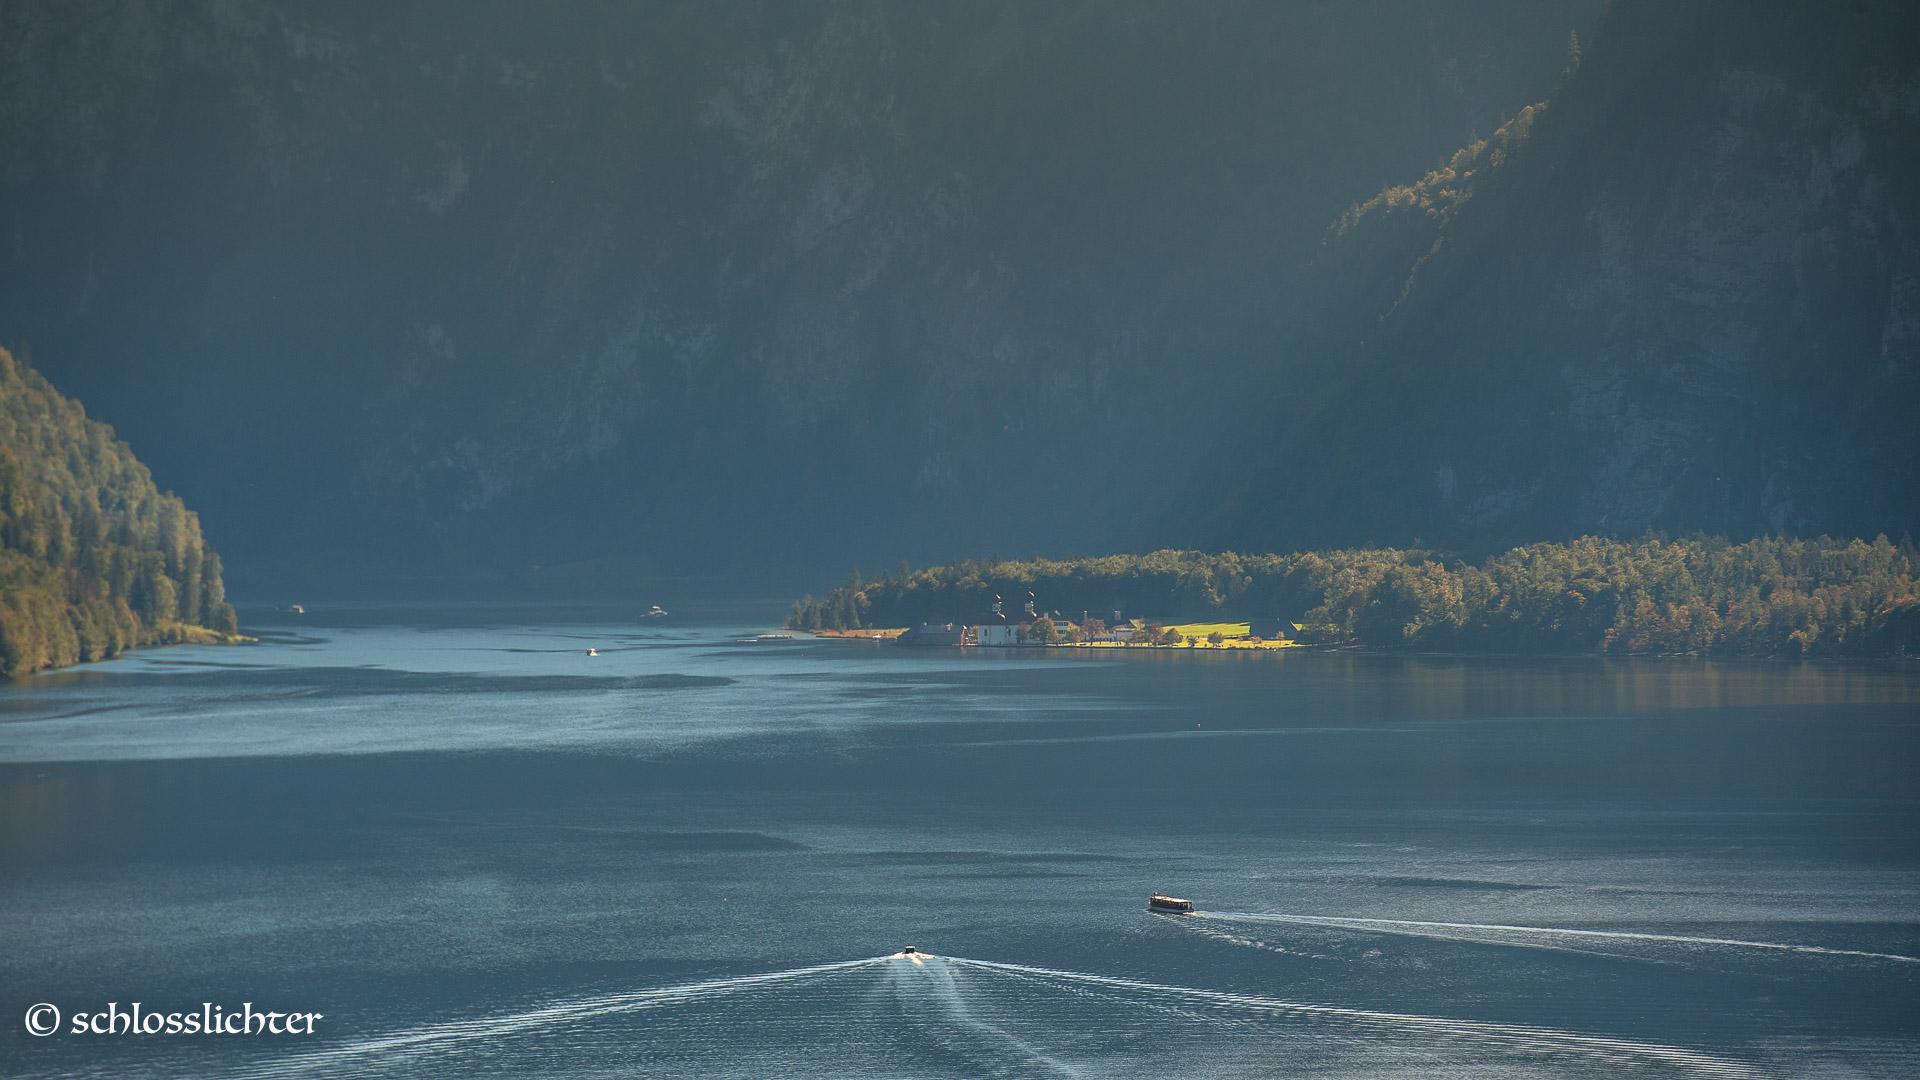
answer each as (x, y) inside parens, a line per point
(1766, 597)
(94, 558)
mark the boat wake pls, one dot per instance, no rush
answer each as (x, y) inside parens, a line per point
(440, 1038)
(1536, 937)
(918, 1014)
(1532, 1042)
(1233, 938)
(946, 1018)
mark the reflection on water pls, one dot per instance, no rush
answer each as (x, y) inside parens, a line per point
(479, 850)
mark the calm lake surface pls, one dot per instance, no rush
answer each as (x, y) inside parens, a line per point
(479, 851)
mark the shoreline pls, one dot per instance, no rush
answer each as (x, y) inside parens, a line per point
(1231, 644)
(889, 634)
(172, 634)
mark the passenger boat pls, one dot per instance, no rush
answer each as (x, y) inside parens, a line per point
(1172, 904)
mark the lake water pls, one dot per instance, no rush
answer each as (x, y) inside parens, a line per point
(480, 852)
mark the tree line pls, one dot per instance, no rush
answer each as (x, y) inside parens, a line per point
(1773, 596)
(94, 558)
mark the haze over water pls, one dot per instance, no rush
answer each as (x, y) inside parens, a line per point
(478, 850)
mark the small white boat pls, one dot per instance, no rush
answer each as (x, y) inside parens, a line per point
(593, 652)
(1172, 905)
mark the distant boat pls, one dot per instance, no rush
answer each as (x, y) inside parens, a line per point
(593, 652)
(771, 637)
(1172, 904)
(297, 609)
(656, 612)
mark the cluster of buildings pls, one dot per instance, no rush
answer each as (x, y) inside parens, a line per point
(999, 628)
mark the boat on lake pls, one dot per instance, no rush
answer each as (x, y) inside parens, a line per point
(1170, 904)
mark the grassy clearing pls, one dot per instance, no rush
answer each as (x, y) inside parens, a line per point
(1196, 638)
(1202, 629)
(1235, 634)
(1233, 643)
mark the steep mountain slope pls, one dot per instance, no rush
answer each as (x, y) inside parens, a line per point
(484, 285)
(93, 558)
(1686, 297)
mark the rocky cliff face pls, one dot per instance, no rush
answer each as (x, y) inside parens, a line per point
(480, 286)
(1685, 300)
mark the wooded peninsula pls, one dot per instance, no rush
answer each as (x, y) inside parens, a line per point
(1772, 596)
(94, 558)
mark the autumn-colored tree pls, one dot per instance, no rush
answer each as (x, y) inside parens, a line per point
(94, 558)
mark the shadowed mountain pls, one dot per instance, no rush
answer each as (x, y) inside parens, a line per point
(1683, 293)
(474, 287)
